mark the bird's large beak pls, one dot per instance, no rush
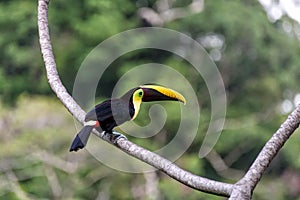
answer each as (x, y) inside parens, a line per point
(160, 93)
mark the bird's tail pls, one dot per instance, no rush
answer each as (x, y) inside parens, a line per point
(81, 138)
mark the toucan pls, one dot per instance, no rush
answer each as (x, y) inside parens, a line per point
(114, 112)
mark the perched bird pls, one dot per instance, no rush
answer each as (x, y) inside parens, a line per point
(114, 112)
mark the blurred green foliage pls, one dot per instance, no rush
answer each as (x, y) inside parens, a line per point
(258, 60)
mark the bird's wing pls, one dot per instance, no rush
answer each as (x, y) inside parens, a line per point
(121, 111)
(100, 112)
(111, 113)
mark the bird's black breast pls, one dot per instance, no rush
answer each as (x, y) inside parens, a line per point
(111, 113)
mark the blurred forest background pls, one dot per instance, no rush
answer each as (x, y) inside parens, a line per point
(254, 44)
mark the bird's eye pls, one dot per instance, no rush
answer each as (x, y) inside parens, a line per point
(140, 93)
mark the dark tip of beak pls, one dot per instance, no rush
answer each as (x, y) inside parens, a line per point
(160, 93)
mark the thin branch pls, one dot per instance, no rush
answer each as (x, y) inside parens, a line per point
(151, 186)
(15, 186)
(53, 182)
(54, 161)
(144, 155)
(166, 13)
(222, 168)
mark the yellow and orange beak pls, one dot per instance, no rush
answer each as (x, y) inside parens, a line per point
(160, 93)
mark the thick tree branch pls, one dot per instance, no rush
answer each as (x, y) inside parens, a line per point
(244, 188)
(241, 190)
(144, 155)
(52, 74)
(174, 171)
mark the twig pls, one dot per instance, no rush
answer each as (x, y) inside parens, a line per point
(151, 186)
(54, 161)
(166, 13)
(53, 182)
(15, 186)
(222, 168)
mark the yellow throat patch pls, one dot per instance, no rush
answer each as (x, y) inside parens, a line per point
(137, 100)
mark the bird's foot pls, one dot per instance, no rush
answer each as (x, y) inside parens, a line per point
(113, 137)
(116, 136)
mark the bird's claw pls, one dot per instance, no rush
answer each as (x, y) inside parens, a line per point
(116, 136)
(113, 137)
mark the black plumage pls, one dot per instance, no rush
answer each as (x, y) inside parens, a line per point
(114, 112)
(111, 113)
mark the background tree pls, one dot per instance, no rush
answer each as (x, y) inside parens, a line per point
(257, 58)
